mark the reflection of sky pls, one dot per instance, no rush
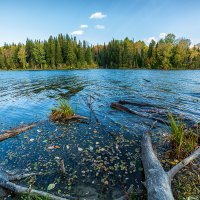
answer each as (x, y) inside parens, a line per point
(28, 96)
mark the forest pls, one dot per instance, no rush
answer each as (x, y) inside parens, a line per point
(65, 52)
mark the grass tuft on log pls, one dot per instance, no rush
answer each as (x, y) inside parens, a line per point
(64, 112)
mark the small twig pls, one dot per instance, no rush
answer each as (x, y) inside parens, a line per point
(171, 173)
(61, 165)
(29, 192)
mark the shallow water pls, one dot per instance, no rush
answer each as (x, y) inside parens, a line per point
(95, 161)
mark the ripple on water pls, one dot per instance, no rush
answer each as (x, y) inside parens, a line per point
(92, 156)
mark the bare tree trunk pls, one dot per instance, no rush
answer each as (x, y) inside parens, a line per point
(158, 182)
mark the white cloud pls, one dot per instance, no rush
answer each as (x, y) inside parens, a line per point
(83, 26)
(162, 35)
(100, 27)
(79, 32)
(98, 15)
(148, 40)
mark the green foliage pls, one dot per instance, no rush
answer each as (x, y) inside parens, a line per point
(65, 52)
(63, 112)
(183, 140)
(22, 57)
(59, 58)
(39, 54)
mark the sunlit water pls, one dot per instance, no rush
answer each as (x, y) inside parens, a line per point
(98, 165)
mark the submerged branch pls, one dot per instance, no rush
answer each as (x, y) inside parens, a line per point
(5, 182)
(16, 131)
(123, 102)
(145, 115)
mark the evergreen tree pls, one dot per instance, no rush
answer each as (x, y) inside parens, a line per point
(39, 54)
(88, 56)
(70, 57)
(29, 53)
(22, 57)
(2, 61)
(59, 58)
(52, 52)
(80, 55)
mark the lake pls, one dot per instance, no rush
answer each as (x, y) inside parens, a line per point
(98, 165)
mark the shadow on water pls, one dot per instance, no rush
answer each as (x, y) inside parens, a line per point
(95, 161)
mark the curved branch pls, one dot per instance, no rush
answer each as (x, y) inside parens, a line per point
(24, 190)
(171, 173)
(18, 177)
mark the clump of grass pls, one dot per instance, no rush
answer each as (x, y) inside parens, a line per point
(63, 112)
(184, 140)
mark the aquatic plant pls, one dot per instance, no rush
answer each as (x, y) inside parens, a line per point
(63, 112)
(183, 139)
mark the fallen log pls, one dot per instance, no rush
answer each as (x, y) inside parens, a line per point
(146, 115)
(157, 181)
(5, 182)
(16, 131)
(158, 110)
(125, 109)
(77, 117)
(123, 102)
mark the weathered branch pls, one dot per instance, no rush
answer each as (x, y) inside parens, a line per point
(19, 177)
(77, 117)
(5, 182)
(139, 104)
(16, 131)
(183, 163)
(158, 182)
(122, 108)
(125, 109)
(24, 190)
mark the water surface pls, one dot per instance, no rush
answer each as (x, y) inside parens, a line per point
(95, 160)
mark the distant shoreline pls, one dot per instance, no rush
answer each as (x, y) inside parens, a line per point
(99, 68)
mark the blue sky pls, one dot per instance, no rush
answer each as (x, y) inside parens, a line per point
(102, 19)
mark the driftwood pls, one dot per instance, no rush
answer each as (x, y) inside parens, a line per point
(158, 182)
(5, 182)
(123, 102)
(157, 110)
(145, 115)
(77, 117)
(16, 131)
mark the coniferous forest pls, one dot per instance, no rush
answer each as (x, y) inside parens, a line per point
(65, 52)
